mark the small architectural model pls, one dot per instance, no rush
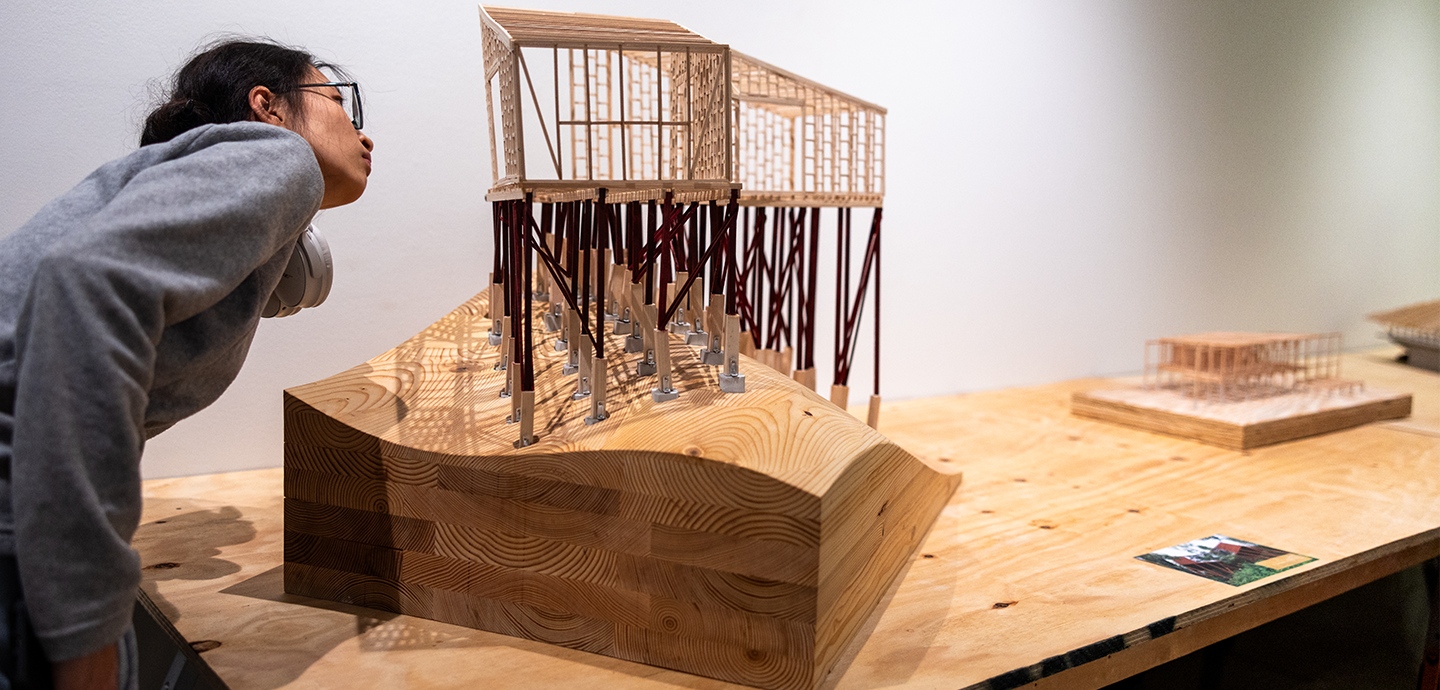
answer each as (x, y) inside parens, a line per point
(1242, 390)
(1417, 329)
(1221, 367)
(574, 455)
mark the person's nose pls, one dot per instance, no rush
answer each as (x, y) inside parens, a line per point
(365, 141)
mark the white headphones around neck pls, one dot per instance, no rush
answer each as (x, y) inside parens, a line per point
(307, 278)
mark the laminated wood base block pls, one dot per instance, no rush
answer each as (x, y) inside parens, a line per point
(1240, 425)
(743, 537)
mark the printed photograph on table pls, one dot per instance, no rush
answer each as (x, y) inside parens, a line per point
(1227, 560)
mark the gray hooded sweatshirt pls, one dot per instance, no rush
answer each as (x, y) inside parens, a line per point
(126, 305)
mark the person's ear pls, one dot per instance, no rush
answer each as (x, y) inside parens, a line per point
(266, 107)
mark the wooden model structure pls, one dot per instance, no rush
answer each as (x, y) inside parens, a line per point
(559, 458)
(801, 147)
(1242, 390)
(1219, 367)
(1417, 329)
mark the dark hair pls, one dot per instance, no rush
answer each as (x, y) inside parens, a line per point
(214, 86)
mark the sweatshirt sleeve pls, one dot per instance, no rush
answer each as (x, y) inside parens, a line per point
(177, 229)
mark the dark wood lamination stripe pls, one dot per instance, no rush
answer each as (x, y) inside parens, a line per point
(333, 461)
(731, 626)
(361, 465)
(506, 618)
(728, 590)
(585, 468)
(517, 487)
(367, 527)
(705, 481)
(644, 473)
(527, 622)
(734, 663)
(701, 516)
(358, 590)
(706, 588)
(524, 587)
(435, 574)
(483, 512)
(771, 560)
(338, 554)
(340, 490)
(735, 522)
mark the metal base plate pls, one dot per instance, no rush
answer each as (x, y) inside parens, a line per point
(732, 383)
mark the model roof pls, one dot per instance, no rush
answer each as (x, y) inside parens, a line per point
(575, 29)
(1424, 316)
(1235, 339)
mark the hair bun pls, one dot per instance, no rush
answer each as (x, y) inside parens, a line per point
(173, 119)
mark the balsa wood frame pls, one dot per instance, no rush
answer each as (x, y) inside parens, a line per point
(1222, 366)
(633, 107)
(639, 107)
(800, 143)
(1242, 390)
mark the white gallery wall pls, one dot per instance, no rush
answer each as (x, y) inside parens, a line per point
(1066, 178)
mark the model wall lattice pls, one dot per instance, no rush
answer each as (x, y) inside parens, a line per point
(799, 143)
(637, 106)
(1242, 366)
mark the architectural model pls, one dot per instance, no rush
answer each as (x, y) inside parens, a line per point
(1417, 329)
(582, 454)
(1242, 390)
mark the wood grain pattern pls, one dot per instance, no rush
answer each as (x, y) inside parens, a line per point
(1053, 511)
(1240, 425)
(722, 535)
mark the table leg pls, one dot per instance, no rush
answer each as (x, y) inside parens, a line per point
(1430, 663)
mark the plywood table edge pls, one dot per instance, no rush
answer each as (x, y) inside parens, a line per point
(1182, 634)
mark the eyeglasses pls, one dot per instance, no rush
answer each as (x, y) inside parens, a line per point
(349, 99)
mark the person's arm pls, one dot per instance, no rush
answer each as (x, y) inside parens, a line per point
(94, 671)
(174, 237)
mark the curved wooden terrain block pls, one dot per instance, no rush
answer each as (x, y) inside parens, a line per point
(742, 537)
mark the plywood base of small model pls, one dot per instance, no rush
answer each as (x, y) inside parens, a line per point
(743, 537)
(1240, 425)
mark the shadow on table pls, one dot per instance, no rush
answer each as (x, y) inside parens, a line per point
(187, 547)
(294, 639)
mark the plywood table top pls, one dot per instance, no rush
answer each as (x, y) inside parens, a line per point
(1028, 575)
